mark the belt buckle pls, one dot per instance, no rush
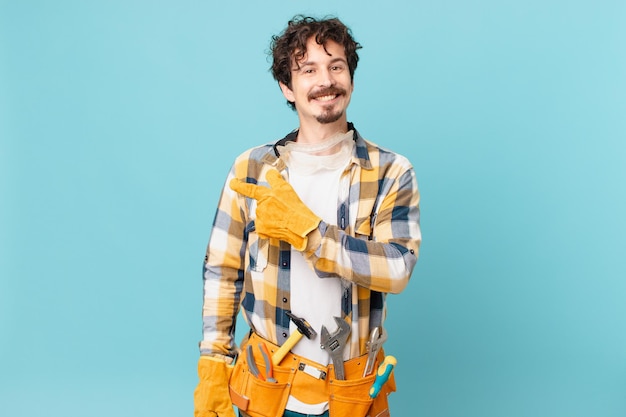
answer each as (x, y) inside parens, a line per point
(312, 370)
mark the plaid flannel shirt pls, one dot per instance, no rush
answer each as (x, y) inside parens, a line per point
(373, 247)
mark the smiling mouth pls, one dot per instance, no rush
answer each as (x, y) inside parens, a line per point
(326, 95)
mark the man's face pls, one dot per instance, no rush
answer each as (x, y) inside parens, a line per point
(320, 83)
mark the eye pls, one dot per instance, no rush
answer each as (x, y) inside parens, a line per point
(336, 68)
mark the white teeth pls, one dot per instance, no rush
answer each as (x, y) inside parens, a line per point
(326, 98)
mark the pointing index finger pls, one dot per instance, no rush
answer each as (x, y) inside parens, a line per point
(247, 189)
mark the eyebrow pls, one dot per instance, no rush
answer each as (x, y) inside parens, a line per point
(332, 61)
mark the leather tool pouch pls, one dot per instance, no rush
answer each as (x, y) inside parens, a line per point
(350, 397)
(254, 396)
(346, 398)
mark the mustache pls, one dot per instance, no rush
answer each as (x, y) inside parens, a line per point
(326, 92)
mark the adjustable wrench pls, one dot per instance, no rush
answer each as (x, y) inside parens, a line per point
(378, 336)
(334, 344)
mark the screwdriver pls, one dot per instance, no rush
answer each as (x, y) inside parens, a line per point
(382, 375)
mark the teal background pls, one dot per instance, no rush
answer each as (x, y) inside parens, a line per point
(119, 121)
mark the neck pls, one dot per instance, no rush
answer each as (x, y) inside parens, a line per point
(312, 133)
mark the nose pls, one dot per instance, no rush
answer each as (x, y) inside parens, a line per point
(326, 78)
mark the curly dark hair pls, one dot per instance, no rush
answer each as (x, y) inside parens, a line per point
(290, 45)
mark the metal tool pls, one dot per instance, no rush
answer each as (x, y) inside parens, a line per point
(378, 336)
(252, 364)
(269, 372)
(334, 344)
(382, 375)
(304, 329)
(254, 369)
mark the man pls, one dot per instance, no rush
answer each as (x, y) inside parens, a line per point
(311, 232)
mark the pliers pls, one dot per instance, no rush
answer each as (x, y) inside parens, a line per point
(254, 370)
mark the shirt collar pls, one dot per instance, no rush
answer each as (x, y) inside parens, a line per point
(360, 156)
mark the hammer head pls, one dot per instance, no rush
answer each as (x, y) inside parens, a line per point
(303, 326)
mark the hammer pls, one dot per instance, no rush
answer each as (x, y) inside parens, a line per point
(304, 329)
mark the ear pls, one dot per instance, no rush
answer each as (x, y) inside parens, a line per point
(287, 92)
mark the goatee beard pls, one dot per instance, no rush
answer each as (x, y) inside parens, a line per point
(328, 116)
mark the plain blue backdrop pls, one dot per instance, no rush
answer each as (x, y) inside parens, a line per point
(118, 123)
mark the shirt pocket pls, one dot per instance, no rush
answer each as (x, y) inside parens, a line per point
(258, 249)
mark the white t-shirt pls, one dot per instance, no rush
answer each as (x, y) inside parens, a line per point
(315, 178)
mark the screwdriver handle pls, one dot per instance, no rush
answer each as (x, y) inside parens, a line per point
(382, 375)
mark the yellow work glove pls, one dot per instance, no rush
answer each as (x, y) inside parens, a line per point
(280, 213)
(211, 397)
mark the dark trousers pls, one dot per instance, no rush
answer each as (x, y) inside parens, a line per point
(293, 414)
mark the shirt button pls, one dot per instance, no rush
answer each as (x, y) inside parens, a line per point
(285, 263)
(284, 334)
(412, 251)
(284, 299)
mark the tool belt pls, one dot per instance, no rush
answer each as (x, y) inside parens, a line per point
(309, 382)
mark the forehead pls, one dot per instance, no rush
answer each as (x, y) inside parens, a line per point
(316, 53)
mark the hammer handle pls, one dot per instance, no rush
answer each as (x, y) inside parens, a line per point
(286, 347)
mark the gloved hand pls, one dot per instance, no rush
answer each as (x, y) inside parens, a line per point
(280, 213)
(211, 397)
